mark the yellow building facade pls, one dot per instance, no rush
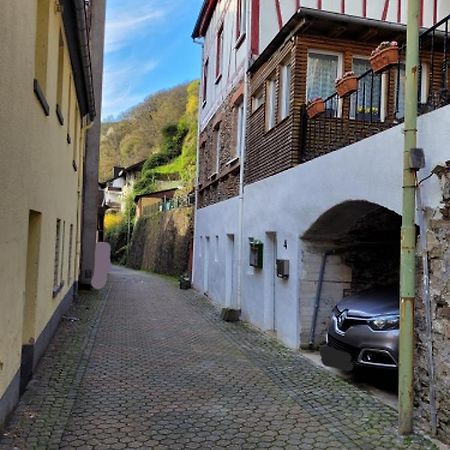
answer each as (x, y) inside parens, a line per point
(46, 106)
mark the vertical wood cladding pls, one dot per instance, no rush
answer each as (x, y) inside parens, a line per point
(215, 187)
(272, 151)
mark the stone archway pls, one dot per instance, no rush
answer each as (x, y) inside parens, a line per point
(356, 244)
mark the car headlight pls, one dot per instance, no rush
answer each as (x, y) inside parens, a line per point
(384, 323)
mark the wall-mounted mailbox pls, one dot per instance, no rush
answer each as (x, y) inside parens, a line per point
(283, 268)
(256, 253)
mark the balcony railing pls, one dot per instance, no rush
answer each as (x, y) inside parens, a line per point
(168, 205)
(378, 103)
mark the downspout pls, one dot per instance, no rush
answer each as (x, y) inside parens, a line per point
(312, 334)
(79, 232)
(241, 244)
(408, 231)
(197, 168)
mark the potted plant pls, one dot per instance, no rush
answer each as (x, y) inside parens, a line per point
(384, 56)
(315, 107)
(368, 113)
(347, 84)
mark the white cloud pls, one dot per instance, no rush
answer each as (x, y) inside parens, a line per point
(125, 25)
(119, 90)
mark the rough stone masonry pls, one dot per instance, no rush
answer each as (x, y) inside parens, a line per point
(438, 249)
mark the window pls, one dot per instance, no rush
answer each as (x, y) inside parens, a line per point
(323, 70)
(400, 93)
(60, 82)
(69, 261)
(202, 163)
(271, 93)
(217, 145)
(424, 80)
(41, 48)
(205, 81)
(75, 140)
(57, 256)
(61, 276)
(367, 103)
(239, 129)
(69, 111)
(240, 18)
(285, 90)
(219, 53)
(257, 99)
(41, 54)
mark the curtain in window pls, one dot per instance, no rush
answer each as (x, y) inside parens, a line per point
(322, 74)
(400, 87)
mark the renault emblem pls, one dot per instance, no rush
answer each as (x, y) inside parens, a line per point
(341, 319)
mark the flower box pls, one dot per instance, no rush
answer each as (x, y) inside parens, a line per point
(384, 57)
(315, 108)
(347, 85)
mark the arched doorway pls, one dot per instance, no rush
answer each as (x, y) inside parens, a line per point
(351, 247)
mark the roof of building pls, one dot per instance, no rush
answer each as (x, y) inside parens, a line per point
(154, 194)
(76, 27)
(204, 18)
(331, 25)
(134, 167)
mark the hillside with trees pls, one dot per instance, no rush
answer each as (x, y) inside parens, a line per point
(141, 131)
(169, 151)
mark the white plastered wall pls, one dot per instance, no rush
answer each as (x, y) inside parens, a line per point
(369, 170)
(217, 224)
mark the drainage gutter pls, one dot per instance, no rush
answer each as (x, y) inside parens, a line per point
(85, 53)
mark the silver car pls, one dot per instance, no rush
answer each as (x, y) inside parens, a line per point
(364, 331)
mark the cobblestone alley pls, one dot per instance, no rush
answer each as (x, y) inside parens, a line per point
(145, 365)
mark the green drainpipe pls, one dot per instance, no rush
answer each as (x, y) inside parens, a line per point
(408, 230)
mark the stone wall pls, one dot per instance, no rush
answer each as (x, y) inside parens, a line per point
(161, 242)
(438, 247)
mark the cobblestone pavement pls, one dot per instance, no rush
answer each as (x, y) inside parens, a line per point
(149, 366)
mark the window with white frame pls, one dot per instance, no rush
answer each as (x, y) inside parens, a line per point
(219, 53)
(69, 260)
(56, 264)
(217, 147)
(205, 81)
(271, 100)
(400, 93)
(400, 89)
(41, 54)
(63, 242)
(239, 108)
(203, 167)
(257, 99)
(285, 90)
(240, 18)
(323, 69)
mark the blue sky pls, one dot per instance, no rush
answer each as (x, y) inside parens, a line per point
(148, 47)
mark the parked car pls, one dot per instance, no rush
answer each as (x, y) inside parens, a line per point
(364, 331)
